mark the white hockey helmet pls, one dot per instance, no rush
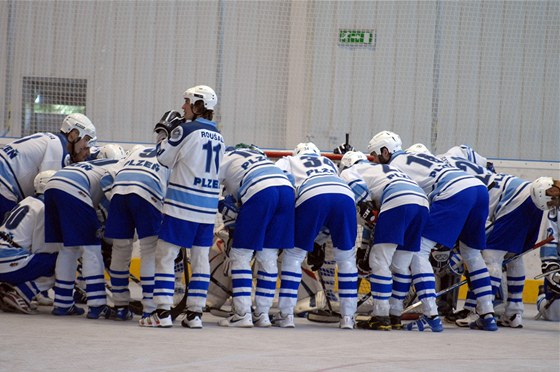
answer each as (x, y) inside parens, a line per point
(419, 148)
(135, 148)
(112, 151)
(41, 179)
(82, 124)
(306, 148)
(390, 140)
(204, 93)
(351, 158)
(538, 192)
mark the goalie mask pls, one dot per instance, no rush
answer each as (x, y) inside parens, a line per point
(538, 192)
(306, 148)
(390, 140)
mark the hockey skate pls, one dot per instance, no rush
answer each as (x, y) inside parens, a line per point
(453, 317)
(261, 320)
(347, 322)
(192, 320)
(236, 320)
(377, 323)
(72, 310)
(283, 321)
(470, 317)
(425, 323)
(485, 323)
(514, 321)
(13, 301)
(96, 312)
(159, 318)
(43, 299)
(122, 313)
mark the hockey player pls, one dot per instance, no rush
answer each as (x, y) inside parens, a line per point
(322, 200)
(192, 150)
(515, 213)
(264, 197)
(72, 198)
(136, 202)
(403, 212)
(548, 302)
(23, 159)
(26, 262)
(458, 211)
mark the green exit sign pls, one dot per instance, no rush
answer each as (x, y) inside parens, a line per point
(356, 38)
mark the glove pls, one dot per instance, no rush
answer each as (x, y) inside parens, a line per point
(343, 149)
(169, 121)
(316, 258)
(368, 213)
(229, 210)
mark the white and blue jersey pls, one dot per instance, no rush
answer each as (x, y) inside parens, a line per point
(438, 179)
(323, 199)
(403, 205)
(267, 196)
(23, 159)
(77, 190)
(24, 256)
(193, 153)
(245, 172)
(458, 201)
(137, 196)
(313, 175)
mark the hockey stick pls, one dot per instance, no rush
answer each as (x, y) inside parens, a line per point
(540, 276)
(545, 307)
(178, 309)
(464, 281)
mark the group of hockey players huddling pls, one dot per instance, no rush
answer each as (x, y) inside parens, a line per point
(62, 198)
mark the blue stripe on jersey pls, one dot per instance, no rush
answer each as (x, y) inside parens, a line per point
(106, 183)
(320, 181)
(139, 178)
(8, 178)
(448, 178)
(512, 189)
(259, 174)
(360, 189)
(401, 187)
(75, 177)
(193, 198)
(12, 254)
